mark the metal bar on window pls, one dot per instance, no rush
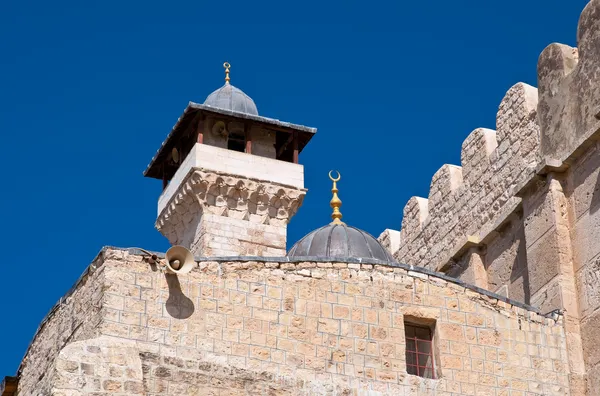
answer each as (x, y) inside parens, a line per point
(421, 370)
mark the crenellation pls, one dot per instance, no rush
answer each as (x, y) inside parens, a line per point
(475, 155)
(569, 94)
(415, 215)
(390, 239)
(444, 183)
(463, 200)
(523, 221)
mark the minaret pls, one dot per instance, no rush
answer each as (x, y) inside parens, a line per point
(231, 178)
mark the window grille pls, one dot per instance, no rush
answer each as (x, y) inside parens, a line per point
(419, 351)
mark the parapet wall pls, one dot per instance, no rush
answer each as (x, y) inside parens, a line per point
(462, 200)
(265, 326)
(533, 134)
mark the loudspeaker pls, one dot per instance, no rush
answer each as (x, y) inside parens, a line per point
(179, 260)
(220, 129)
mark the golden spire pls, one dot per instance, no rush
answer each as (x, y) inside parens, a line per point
(335, 200)
(226, 65)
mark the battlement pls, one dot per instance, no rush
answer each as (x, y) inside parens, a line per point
(463, 199)
(535, 131)
(520, 216)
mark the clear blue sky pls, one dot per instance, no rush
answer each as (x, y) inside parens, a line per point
(89, 90)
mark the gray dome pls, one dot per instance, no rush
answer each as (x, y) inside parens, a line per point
(340, 241)
(229, 97)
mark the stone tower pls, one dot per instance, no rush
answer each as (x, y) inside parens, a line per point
(231, 178)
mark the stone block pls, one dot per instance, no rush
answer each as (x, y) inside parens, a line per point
(585, 233)
(590, 335)
(543, 261)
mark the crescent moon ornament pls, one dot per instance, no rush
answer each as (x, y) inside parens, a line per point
(335, 179)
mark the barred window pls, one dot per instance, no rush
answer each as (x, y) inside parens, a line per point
(419, 351)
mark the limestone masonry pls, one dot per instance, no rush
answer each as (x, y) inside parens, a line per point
(493, 288)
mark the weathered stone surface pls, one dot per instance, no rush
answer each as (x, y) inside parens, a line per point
(390, 240)
(569, 93)
(75, 317)
(252, 327)
(217, 214)
(495, 165)
(114, 367)
(526, 202)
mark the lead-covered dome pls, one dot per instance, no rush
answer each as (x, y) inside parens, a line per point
(231, 98)
(338, 240)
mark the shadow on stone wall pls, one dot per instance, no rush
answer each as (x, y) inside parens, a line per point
(595, 201)
(521, 269)
(178, 304)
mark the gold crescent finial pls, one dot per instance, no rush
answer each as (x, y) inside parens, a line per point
(335, 179)
(226, 65)
(335, 202)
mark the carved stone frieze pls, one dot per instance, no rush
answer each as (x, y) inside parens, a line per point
(229, 196)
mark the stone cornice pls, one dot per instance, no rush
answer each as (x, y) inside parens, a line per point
(257, 201)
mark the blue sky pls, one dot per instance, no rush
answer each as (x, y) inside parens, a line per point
(89, 90)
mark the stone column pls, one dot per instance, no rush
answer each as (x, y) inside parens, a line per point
(218, 214)
(470, 268)
(476, 267)
(550, 264)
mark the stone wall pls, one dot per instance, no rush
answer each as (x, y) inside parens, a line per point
(298, 328)
(76, 316)
(584, 198)
(98, 366)
(519, 217)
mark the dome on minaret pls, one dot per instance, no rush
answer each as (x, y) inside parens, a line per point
(231, 98)
(338, 240)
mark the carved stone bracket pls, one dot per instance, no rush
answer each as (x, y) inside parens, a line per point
(221, 194)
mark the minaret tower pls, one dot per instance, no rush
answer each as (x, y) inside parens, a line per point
(231, 178)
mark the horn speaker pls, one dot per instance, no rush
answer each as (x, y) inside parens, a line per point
(179, 260)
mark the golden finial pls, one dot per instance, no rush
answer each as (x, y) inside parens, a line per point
(226, 65)
(335, 202)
